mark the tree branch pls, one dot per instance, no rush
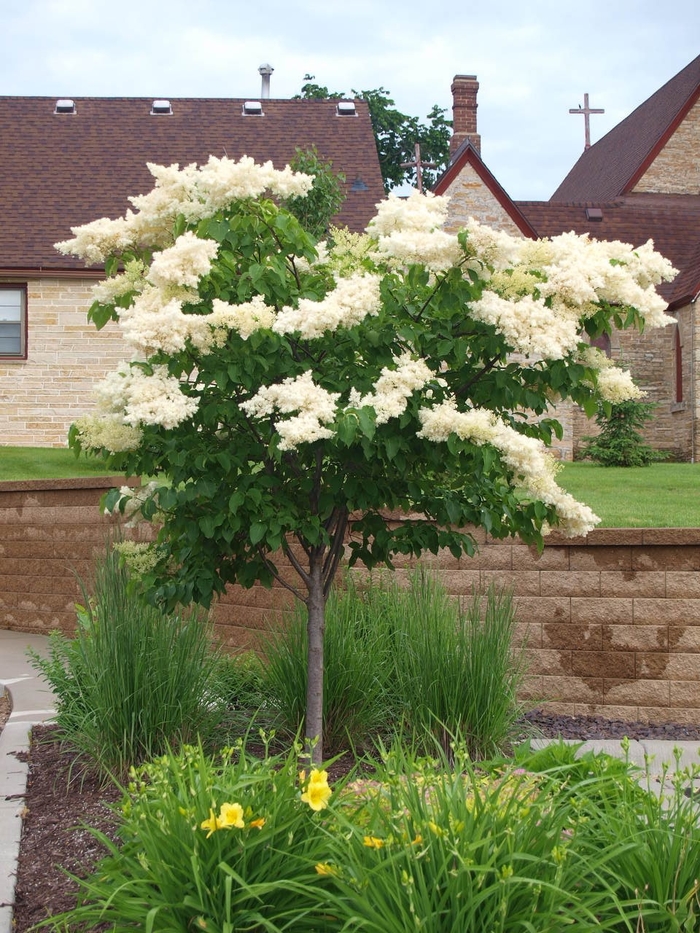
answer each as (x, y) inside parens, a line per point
(276, 574)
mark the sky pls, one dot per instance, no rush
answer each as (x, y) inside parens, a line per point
(533, 60)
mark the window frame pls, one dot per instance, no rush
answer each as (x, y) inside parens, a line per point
(22, 355)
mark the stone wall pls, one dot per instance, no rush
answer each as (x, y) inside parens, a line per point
(675, 170)
(42, 395)
(612, 621)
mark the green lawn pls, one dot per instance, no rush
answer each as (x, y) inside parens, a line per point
(660, 495)
(656, 496)
(18, 463)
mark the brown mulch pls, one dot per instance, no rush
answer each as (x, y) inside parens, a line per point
(61, 797)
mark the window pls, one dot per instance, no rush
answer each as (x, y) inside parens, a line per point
(13, 320)
(678, 362)
(604, 344)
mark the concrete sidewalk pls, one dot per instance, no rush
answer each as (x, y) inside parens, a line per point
(32, 702)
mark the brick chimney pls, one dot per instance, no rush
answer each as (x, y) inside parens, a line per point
(464, 91)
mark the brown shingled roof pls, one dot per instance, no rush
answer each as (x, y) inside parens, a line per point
(613, 165)
(61, 170)
(671, 221)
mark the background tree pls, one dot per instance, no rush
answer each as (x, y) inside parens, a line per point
(291, 400)
(396, 134)
(620, 442)
(315, 210)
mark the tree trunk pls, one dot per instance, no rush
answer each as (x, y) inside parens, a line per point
(314, 690)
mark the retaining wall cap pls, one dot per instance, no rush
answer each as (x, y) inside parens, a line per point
(78, 482)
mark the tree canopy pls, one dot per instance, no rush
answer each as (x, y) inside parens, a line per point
(397, 133)
(293, 397)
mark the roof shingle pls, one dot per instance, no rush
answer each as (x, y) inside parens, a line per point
(61, 170)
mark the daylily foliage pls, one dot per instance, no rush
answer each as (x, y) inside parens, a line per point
(294, 393)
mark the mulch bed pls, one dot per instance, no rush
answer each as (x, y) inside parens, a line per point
(61, 797)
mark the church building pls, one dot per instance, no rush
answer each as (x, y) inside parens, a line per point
(641, 181)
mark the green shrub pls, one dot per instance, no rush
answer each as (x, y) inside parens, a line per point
(133, 680)
(619, 442)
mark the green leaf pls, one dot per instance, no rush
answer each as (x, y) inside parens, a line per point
(367, 419)
(258, 530)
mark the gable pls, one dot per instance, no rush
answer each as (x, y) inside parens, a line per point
(474, 192)
(675, 170)
(470, 197)
(61, 170)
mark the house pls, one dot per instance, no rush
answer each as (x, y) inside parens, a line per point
(66, 162)
(641, 181)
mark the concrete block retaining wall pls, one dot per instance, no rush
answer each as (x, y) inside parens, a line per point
(612, 621)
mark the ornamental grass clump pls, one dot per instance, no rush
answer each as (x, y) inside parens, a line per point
(404, 659)
(134, 680)
(454, 670)
(356, 704)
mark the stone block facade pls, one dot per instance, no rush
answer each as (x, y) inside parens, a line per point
(470, 197)
(42, 395)
(675, 170)
(610, 623)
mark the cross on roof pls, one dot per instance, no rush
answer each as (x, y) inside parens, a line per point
(419, 165)
(586, 111)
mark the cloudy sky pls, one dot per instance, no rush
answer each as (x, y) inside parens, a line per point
(533, 60)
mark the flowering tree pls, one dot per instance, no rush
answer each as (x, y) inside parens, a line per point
(292, 394)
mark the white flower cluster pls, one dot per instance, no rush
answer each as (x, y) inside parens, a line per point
(132, 279)
(192, 192)
(245, 318)
(408, 231)
(316, 407)
(140, 557)
(184, 263)
(108, 432)
(418, 212)
(533, 467)
(353, 299)
(155, 322)
(95, 241)
(528, 325)
(574, 274)
(132, 497)
(394, 387)
(139, 398)
(616, 385)
(222, 181)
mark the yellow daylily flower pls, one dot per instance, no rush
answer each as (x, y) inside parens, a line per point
(373, 842)
(211, 824)
(317, 793)
(230, 814)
